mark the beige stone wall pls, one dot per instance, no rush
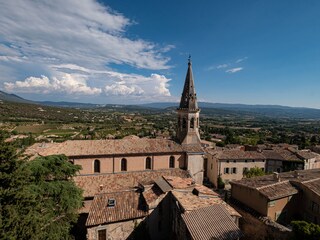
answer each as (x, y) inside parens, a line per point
(212, 169)
(308, 207)
(115, 231)
(239, 165)
(250, 197)
(312, 163)
(276, 207)
(196, 167)
(134, 163)
(106, 164)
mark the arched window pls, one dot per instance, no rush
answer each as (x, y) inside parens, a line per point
(96, 166)
(123, 164)
(171, 162)
(184, 123)
(192, 123)
(148, 163)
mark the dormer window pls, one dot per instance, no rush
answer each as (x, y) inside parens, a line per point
(111, 202)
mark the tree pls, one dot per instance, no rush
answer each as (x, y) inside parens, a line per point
(305, 230)
(254, 172)
(38, 199)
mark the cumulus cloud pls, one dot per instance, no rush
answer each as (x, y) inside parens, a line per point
(153, 86)
(67, 84)
(72, 45)
(122, 89)
(82, 31)
(234, 70)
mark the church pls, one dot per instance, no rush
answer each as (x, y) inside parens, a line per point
(133, 154)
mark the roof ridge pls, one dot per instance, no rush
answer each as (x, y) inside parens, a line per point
(311, 180)
(273, 184)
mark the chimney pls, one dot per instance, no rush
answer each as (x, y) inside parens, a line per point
(101, 187)
(276, 177)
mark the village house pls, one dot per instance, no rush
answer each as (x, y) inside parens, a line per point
(282, 197)
(232, 163)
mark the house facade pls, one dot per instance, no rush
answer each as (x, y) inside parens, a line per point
(282, 197)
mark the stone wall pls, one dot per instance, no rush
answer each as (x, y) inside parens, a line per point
(115, 231)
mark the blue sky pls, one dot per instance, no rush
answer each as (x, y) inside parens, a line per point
(251, 51)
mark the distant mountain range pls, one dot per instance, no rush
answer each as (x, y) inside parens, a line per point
(276, 111)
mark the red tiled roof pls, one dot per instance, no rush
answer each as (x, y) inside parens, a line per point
(278, 190)
(100, 183)
(239, 155)
(105, 147)
(287, 184)
(211, 222)
(128, 205)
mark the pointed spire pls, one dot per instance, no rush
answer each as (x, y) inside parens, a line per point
(189, 96)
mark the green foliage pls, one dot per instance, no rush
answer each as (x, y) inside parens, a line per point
(221, 183)
(38, 199)
(254, 172)
(305, 230)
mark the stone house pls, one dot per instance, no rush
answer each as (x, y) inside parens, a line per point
(283, 196)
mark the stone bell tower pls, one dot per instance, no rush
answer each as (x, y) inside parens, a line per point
(188, 112)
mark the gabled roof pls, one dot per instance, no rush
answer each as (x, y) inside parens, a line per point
(287, 183)
(211, 223)
(189, 96)
(101, 183)
(105, 147)
(128, 205)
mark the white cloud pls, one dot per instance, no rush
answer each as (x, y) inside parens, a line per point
(155, 86)
(122, 89)
(241, 59)
(82, 31)
(73, 44)
(234, 70)
(68, 83)
(222, 66)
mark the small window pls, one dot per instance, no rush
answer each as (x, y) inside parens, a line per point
(111, 202)
(123, 164)
(234, 170)
(102, 234)
(184, 123)
(148, 163)
(192, 123)
(211, 166)
(246, 160)
(234, 161)
(96, 166)
(171, 162)
(271, 203)
(228, 161)
(226, 170)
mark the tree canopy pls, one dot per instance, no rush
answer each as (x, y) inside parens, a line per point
(38, 199)
(305, 230)
(254, 172)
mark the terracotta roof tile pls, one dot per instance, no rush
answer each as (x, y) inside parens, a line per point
(191, 202)
(211, 222)
(105, 147)
(100, 183)
(128, 205)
